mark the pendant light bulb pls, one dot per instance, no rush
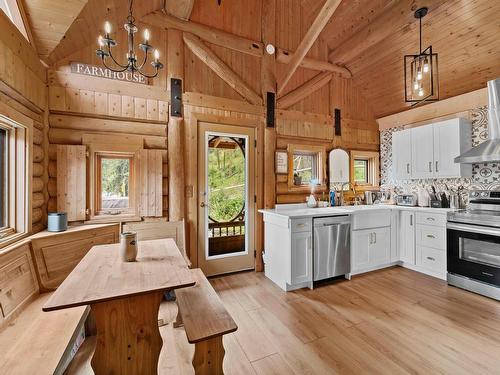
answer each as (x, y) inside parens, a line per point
(415, 85)
(419, 74)
(426, 65)
(107, 27)
(421, 92)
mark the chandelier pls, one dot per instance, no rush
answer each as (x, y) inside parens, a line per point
(106, 43)
(421, 71)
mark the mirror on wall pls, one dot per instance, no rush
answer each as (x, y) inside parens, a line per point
(339, 167)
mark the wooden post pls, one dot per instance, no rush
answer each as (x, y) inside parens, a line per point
(175, 138)
(268, 84)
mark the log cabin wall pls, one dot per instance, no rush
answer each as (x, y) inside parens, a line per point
(23, 98)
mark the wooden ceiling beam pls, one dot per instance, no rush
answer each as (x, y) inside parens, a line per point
(235, 42)
(304, 90)
(208, 34)
(307, 42)
(179, 8)
(284, 57)
(218, 66)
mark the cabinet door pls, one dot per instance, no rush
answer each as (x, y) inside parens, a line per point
(401, 154)
(380, 246)
(301, 257)
(422, 152)
(360, 243)
(407, 237)
(451, 138)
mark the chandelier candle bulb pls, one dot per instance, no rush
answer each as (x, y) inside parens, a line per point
(107, 28)
(146, 36)
(157, 55)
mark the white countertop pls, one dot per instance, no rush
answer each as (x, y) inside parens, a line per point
(295, 212)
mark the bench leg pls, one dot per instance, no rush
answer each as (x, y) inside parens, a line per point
(178, 319)
(209, 357)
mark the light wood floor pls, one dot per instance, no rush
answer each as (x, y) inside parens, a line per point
(393, 321)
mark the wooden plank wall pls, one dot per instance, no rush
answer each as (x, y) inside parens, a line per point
(23, 98)
(80, 104)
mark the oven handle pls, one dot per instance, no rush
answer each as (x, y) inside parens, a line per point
(473, 229)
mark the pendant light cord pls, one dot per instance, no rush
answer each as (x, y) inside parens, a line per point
(420, 35)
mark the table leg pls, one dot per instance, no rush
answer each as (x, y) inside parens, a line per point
(128, 339)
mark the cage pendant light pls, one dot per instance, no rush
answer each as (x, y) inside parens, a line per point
(421, 71)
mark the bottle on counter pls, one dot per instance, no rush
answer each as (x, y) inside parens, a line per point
(332, 198)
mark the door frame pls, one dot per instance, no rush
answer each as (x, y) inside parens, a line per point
(192, 121)
(238, 261)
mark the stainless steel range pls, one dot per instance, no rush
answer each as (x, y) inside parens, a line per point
(473, 239)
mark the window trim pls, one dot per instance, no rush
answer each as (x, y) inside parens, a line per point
(109, 145)
(373, 159)
(320, 151)
(18, 166)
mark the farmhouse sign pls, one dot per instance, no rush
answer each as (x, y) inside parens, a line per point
(102, 72)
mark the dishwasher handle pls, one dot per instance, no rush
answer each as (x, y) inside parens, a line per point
(330, 221)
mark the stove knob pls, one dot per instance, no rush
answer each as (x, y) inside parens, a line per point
(485, 194)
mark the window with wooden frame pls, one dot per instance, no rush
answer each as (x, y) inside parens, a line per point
(15, 170)
(365, 169)
(307, 166)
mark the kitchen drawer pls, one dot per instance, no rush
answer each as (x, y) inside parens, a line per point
(17, 283)
(431, 236)
(430, 218)
(373, 218)
(301, 225)
(431, 259)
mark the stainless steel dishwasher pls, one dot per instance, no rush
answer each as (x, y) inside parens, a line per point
(332, 246)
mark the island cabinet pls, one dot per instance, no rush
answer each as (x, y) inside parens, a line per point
(289, 251)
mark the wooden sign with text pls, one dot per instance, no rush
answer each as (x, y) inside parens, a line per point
(102, 72)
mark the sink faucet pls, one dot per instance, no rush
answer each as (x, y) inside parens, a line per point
(342, 192)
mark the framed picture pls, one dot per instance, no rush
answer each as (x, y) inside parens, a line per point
(281, 162)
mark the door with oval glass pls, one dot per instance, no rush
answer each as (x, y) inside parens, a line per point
(226, 209)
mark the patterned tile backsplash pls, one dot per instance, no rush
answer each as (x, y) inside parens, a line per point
(485, 176)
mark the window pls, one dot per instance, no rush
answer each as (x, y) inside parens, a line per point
(11, 9)
(114, 189)
(361, 171)
(13, 180)
(365, 168)
(307, 166)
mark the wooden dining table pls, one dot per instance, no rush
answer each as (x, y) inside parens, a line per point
(124, 298)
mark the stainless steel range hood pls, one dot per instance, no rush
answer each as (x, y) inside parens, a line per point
(489, 150)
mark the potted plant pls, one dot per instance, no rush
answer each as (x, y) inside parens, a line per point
(297, 180)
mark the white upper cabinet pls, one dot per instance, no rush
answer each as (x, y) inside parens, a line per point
(429, 151)
(451, 138)
(401, 154)
(422, 152)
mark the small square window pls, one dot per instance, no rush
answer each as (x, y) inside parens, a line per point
(361, 173)
(305, 168)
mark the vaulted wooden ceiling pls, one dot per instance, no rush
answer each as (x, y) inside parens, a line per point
(369, 37)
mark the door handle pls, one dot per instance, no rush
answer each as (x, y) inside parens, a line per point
(203, 204)
(430, 166)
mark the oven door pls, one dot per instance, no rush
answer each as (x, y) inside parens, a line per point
(474, 252)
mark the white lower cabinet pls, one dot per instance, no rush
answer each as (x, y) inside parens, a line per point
(371, 249)
(301, 260)
(407, 236)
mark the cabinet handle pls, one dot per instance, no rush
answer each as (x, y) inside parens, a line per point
(411, 220)
(431, 219)
(408, 168)
(431, 258)
(302, 225)
(374, 237)
(371, 238)
(430, 236)
(437, 166)
(430, 166)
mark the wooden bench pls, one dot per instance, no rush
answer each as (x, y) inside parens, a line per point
(205, 321)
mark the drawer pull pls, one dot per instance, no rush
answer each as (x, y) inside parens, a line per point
(302, 225)
(430, 236)
(431, 219)
(431, 258)
(487, 274)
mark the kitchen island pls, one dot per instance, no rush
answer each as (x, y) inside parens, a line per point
(380, 236)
